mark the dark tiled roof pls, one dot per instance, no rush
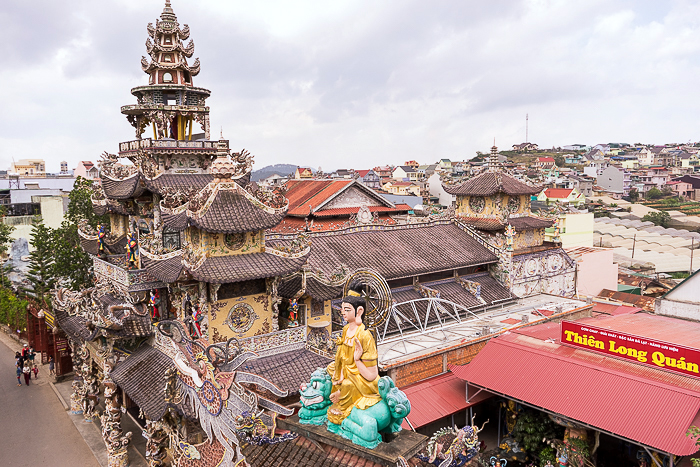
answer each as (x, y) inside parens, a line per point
(178, 181)
(223, 269)
(450, 290)
(89, 246)
(490, 183)
(167, 270)
(142, 377)
(175, 221)
(401, 251)
(231, 212)
(491, 289)
(287, 370)
(527, 223)
(73, 326)
(315, 289)
(122, 189)
(111, 206)
(482, 224)
(132, 325)
(301, 452)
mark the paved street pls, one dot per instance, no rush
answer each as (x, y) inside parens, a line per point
(34, 427)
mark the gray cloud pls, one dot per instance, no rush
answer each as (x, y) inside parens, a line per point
(358, 83)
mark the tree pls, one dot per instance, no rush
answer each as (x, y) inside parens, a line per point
(661, 218)
(634, 195)
(532, 428)
(694, 432)
(73, 267)
(80, 204)
(41, 264)
(5, 232)
(654, 193)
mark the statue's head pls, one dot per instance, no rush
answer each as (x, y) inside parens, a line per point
(353, 305)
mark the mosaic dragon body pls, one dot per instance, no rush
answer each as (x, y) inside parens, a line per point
(462, 446)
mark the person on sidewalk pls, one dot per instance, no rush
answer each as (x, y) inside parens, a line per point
(35, 370)
(51, 366)
(19, 374)
(27, 372)
(31, 354)
(25, 351)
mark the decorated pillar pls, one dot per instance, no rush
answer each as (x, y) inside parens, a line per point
(90, 392)
(116, 441)
(78, 357)
(156, 443)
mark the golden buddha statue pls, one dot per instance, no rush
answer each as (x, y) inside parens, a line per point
(354, 373)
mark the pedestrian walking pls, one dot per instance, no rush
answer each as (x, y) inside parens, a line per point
(25, 351)
(51, 366)
(27, 372)
(35, 370)
(31, 355)
(19, 374)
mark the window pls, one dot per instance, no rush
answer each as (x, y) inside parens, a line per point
(171, 239)
(143, 227)
(167, 77)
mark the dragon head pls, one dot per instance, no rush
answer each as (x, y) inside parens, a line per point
(316, 394)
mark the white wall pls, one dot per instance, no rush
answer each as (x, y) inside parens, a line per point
(436, 189)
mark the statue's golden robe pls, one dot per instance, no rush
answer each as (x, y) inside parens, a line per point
(355, 390)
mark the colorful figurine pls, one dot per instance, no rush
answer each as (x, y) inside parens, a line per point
(153, 303)
(132, 247)
(101, 238)
(293, 313)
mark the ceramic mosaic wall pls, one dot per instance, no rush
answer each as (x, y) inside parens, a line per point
(550, 271)
(118, 224)
(528, 238)
(217, 244)
(240, 317)
(491, 206)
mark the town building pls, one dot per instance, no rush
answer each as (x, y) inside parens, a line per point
(86, 169)
(28, 168)
(564, 196)
(369, 178)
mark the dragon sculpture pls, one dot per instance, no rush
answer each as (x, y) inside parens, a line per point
(210, 385)
(462, 446)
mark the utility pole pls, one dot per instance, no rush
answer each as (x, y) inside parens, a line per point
(692, 246)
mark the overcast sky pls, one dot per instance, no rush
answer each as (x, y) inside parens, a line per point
(359, 83)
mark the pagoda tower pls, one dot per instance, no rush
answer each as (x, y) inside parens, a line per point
(170, 104)
(185, 248)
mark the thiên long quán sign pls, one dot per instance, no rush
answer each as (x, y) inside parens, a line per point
(678, 358)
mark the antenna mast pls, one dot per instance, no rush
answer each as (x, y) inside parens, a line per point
(526, 122)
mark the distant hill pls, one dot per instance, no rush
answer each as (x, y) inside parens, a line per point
(279, 169)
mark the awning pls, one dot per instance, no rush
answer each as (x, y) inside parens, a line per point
(632, 401)
(438, 397)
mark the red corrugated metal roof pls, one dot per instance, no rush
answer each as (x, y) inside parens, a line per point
(353, 210)
(438, 397)
(636, 402)
(614, 309)
(558, 193)
(302, 193)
